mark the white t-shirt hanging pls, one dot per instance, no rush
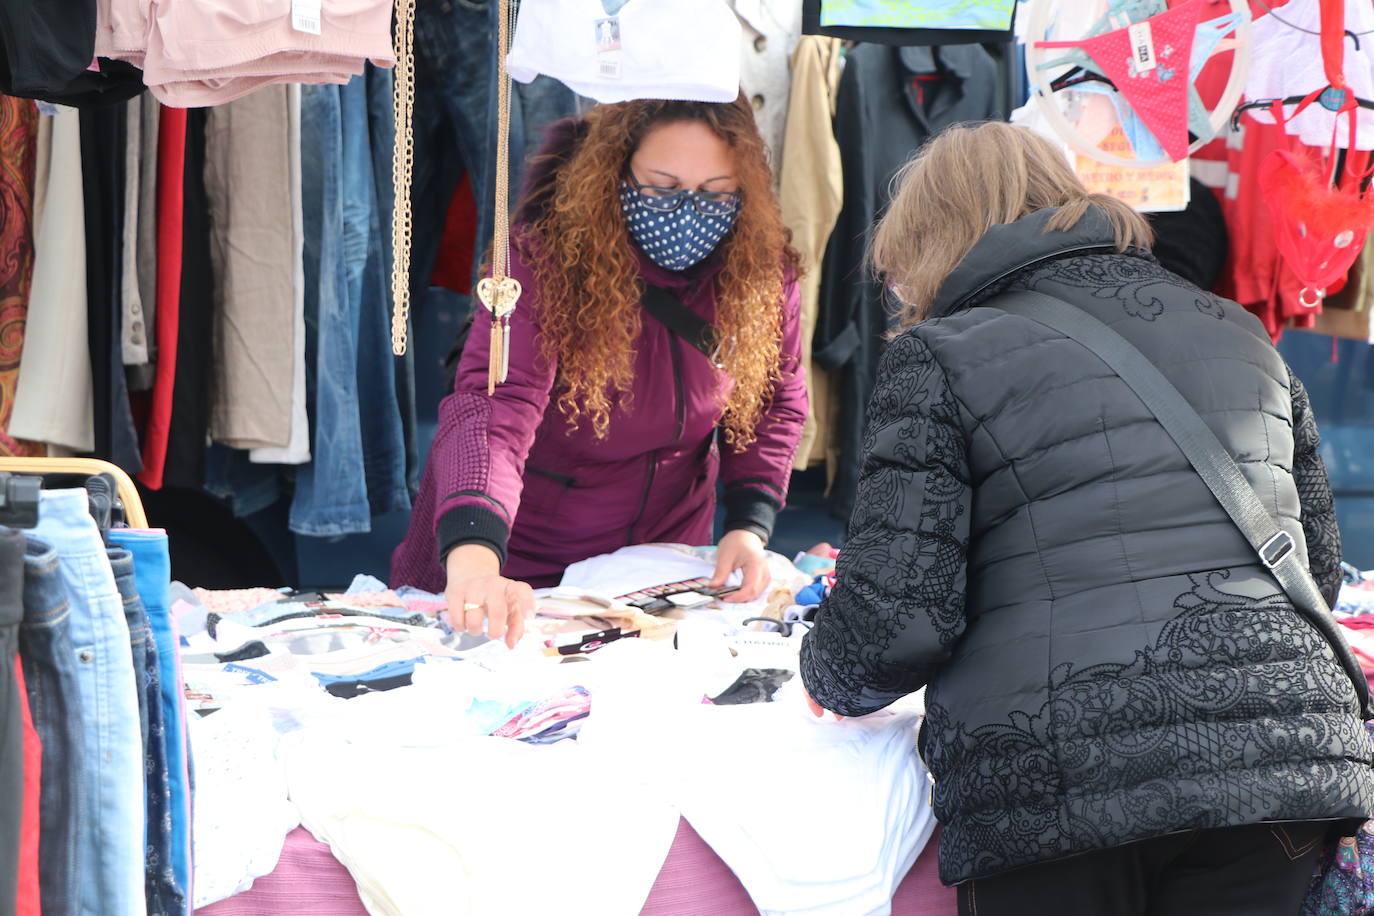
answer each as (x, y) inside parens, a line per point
(647, 49)
(1288, 62)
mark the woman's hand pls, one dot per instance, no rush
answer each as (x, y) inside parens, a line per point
(477, 591)
(817, 709)
(742, 550)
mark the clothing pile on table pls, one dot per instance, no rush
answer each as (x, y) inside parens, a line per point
(1354, 611)
(606, 746)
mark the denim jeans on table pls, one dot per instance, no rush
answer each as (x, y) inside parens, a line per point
(50, 675)
(163, 895)
(110, 835)
(11, 722)
(365, 101)
(153, 577)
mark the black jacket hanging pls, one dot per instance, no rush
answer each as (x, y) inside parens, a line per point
(891, 100)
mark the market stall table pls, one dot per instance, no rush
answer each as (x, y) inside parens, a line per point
(309, 881)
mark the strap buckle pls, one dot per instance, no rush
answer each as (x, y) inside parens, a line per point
(1277, 549)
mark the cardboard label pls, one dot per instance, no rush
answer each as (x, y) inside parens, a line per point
(1155, 189)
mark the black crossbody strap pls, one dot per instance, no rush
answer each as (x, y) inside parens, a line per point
(680, 320)
(1275, 547)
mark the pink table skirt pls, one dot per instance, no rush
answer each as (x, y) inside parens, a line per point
(309, 881)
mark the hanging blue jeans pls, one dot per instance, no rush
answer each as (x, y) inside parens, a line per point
(50, 676)
(164, 897)
(331, 491)
(455, 117)
(153, 576)
(383, 124)
(368, 284)
(110, 835)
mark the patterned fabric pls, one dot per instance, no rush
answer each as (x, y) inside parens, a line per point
(1105, 659)
(1215, 667)
(1314, 492)
(673, 239)
(1344, 883)
(903, 572)
(18, 147)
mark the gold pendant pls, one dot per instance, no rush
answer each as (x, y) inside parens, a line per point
(497, 347)
(498, 297)
(505, 351)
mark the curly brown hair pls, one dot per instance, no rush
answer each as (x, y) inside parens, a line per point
(588, 270)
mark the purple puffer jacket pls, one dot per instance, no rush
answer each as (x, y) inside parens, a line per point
(506, 470)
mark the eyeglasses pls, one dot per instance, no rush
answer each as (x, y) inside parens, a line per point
(666, 200)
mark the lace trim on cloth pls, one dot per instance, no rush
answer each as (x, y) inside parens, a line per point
(901, 577)
(1319, 525)
(1235, 714)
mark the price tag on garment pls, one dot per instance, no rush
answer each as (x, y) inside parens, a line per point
(1142, 47)
(305, 16)
(608, 66)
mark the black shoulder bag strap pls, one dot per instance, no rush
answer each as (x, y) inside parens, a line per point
(680, 320)
(1274, 546)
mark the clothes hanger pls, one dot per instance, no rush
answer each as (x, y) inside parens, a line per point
(1330, 99)
(35, 469)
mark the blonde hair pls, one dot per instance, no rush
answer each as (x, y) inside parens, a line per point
(961, 184)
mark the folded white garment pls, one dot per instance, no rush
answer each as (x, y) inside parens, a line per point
(845, 858)
(242, 814)
(650, 49)
(494, 827)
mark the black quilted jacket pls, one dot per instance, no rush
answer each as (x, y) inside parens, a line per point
(1106, 659)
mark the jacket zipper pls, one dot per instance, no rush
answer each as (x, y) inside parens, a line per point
(644, 497)
(680, 400)
(567, 482)
(680, 415)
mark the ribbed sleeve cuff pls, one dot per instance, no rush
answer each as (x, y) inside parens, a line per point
(753, 510)
(472, 525)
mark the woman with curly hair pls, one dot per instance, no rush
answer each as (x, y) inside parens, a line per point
(613, 427)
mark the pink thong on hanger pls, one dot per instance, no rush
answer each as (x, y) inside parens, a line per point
(1148, 62)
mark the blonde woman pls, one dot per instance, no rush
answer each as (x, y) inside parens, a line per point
(1125, 714)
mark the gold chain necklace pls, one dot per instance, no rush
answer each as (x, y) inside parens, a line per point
(402, 166)
(499, 292)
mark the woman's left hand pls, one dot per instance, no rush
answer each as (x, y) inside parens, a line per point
(742, 550)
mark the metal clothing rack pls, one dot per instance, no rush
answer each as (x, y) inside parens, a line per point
(90, 467)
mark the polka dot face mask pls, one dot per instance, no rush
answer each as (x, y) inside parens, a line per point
(680, 228)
